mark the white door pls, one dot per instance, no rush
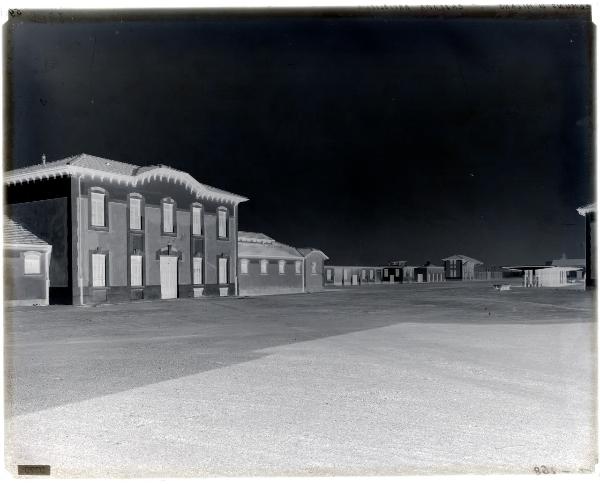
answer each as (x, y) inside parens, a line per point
(168, 277)
(355, 279)
(419, 277)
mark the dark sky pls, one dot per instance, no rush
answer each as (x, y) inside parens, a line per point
(374, 138)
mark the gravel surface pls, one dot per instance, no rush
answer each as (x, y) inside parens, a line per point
(371, 380)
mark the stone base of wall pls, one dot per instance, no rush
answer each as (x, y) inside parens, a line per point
(25, 302)
(269, 291)
(117, 294)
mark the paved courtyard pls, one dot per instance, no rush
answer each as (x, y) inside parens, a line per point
(371, 380)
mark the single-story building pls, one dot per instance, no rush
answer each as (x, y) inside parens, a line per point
(352, 275)
(26, 266)
(589, 212)
(314, 263)
(429, 273)
(543, 275)
(392, 274)
(460, 267)
(267, 266)
(579, 264)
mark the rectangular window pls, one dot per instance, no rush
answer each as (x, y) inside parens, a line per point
(136, 270)
(282, 267)
(244, 266)
(329, 275)
(98, 270)
(223, 279)
(167, 218)
(222, 222)
(298, 267)
(263, 266)
(363, 274)
(196, 220)
(135, 214)
(313, 267)
(371, 274)
(97, 209)
(397, 272)
(197, 267)
(385, 272)
(32, 263)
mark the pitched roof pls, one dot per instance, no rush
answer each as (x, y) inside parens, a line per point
(15, 233)
(254, 237)
(307, 250)
(464, 258)
(257, 245)
(103, 168)
(564, 262)
(590, 207)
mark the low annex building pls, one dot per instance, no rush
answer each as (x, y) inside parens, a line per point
(120, 231)
(352, 275)
(314, 264)
(543, 275)
(26, 266)
(267, 266)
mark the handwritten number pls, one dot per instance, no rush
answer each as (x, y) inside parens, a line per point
(13, 12)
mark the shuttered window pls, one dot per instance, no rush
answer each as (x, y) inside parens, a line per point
(136, 270)
(167, 217)
(298, 267)
(197, 267)
(263, 266)
(196, 220)
(244, 266)
(222, 222)
(135, 213)
(32, 263)
(223, 279)
(97, 209)
(99, 270)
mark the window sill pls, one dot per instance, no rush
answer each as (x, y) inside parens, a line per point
(102, 228)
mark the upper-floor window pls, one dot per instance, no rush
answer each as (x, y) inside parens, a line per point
(298, 267)
(32, 263)
(244, 266)
(135, 212)
(313, 267)
(264, 264)
(282, 267)
(99, 270)
(222, 222)
(136, 270)
(196, 220)
(168, 215)
(97, 208)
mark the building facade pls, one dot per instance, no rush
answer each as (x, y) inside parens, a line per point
(268, 267)
(589, 212)
(460, 267)
(123, 232)
(352, 275)
(314, 269)
(429, 273)
(26, 266)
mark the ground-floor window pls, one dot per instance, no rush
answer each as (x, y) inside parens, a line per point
(298, 267)
(244, 266)
(282, 267)
(329, 275)
(32, 263)
(136, 270)
(99, 270)
(197, 270)
(263, 266)
(223, 272)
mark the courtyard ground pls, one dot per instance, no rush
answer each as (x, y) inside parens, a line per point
(371, 380)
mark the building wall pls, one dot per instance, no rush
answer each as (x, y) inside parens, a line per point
(314, 281)
(254, 283)
(590, 250)
(119, 243)
(392, 271)
(21, 289)
(343, 275)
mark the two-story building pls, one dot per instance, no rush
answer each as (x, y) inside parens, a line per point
(121, 231)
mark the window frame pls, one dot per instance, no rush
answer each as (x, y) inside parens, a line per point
(244, 266)
(281, 265)
(201, 270)
(226, 259)
(106, 269)
(224, 210)
(298, 266)
(141, 258)
(106, 219)
(264, 267)
(163, 203)
(197, 206)
(38, 256)
(140, 199)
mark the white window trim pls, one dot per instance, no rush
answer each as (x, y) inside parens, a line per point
(197, 227)
(226, 264)
(244, 263)
(135, 201)
(139, 258)
(281, 264)
(97, 208)
(197, 272)
(264, 267)
(32, 256)
(222, 229)
(298, 265)
(163, 207)
(94, 278)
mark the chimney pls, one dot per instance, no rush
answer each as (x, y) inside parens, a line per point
(43, 158)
